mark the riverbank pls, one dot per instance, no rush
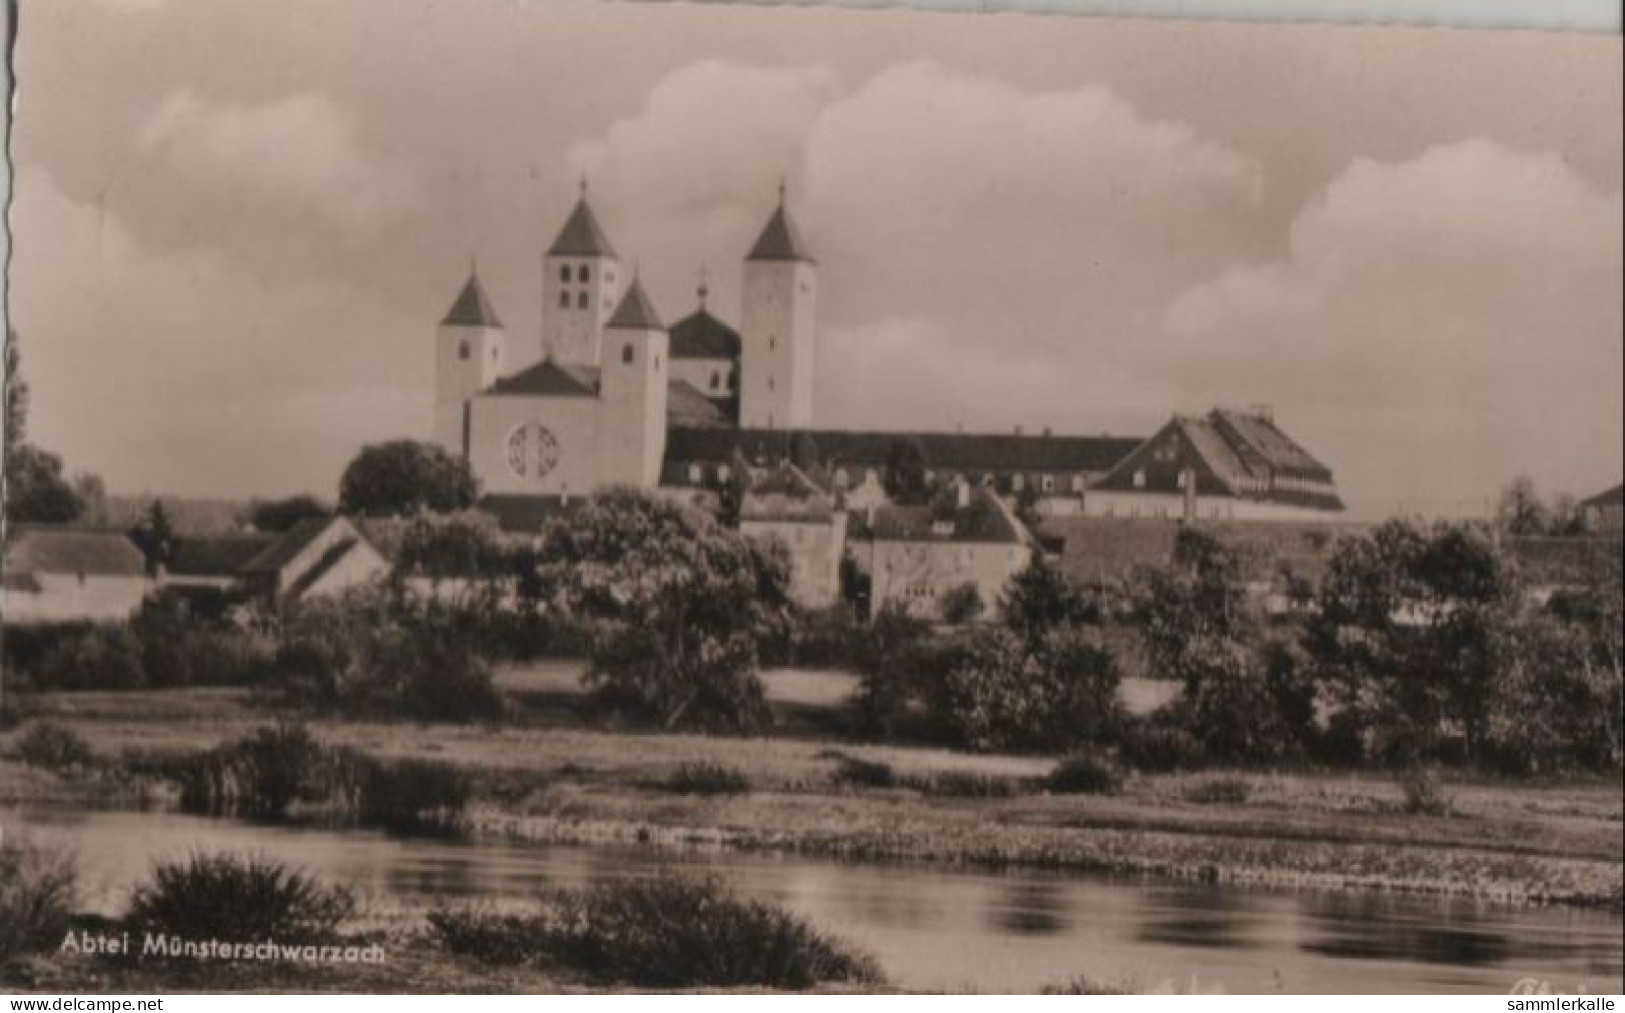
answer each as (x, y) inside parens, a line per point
(1551, 842)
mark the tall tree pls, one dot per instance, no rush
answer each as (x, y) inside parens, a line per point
(36, 490)
(904, 475)
(1520, 510)
(406, 477)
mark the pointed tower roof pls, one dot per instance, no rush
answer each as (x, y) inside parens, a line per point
(472, 308)
(581, 235)
(779, 239)
(635, 312)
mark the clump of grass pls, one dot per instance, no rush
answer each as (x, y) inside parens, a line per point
(238, 899)
(260, 776)
(413, 795)
(54, 747)
(967, 784)
(1219, 791)
(1425, 794)
(706, 779)
(1083, 985)
(36, 898)
(865, 773)
(666, 932)
(1084, 773)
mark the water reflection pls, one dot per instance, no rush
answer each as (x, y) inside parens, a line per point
(1030, 908)
(935, 928)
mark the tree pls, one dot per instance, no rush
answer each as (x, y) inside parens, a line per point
(731, 498)
(278, 515)
(1520, 510)
(1002, 692)
(1244, 697)
(405, 477)
(1409, 633)
(804, 452)
(684, 606)
(91, 492)
(962, 604)
(16, 397)
(1040, 599)
(155, 537)
(36, 492)
(904, 474)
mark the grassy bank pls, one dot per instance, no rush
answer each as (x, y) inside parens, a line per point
(1509, 841)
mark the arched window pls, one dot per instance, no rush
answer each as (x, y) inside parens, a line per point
(564, 273)
(581, 300)
(564, 298)
(716, 380)
(626, 354)
(583, 273)
(462, 350)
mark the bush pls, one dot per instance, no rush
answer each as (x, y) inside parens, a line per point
(259, 776)
(706, 779)
(867, 773)
(36, 899)
(103, 657)
(1158, 744)
(667, 932)
(1424, 793)
(53, 747)
(962, 604)
(1005, 692)
(1219, 791)
(237, 899)
(181, 648)
(1084, 773)
(407, 795)
(966, 784)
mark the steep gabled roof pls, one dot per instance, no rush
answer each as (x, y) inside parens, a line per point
(983, 518)
(635, 313)
(786, 494)
(780, 240)
(1607, 498)
(67, 550)
(1261, 436)
(550, 379)
(472, 308)
(288, 545)
(702, 336)
(213, 555)
(581, 235)
(686, 406)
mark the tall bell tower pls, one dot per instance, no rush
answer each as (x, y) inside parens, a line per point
(580, 288)
(470, 355)
(778, 328)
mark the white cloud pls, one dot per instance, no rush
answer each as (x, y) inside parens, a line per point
(305, 150)
(1445, 322)
(177, 371)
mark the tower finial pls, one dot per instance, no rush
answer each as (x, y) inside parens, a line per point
(781, 189)
(473, 265)
(704, 288)
(582, 183)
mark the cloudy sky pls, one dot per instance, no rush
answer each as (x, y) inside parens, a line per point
(237, 224)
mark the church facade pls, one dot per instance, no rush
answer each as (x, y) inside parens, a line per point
(608, 394)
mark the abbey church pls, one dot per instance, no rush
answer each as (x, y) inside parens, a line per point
(608, 394)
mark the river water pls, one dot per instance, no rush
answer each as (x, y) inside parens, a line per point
(943, 929)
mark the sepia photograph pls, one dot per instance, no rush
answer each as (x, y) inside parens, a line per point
(595, 496)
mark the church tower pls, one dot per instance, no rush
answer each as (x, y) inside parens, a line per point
(470, 355)
(633, 386)
(580, 278)
(778, 328)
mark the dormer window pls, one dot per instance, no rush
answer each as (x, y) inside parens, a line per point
(696, 474)
(841, 477)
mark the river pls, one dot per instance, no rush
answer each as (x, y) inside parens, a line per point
(943, 929)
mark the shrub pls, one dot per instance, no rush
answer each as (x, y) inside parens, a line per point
(36, 899)
(1084, 773)
(54, 747)
(706, 779)
(237, 899)
(1424, 793)
(1159, 744)
(867, 773)
(413, 794)
(966, 784)
(1005, 692)
(103, 657)
(1219, 791)
(260, 775)
(666, 932)
(181, 648)
(962, 604)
